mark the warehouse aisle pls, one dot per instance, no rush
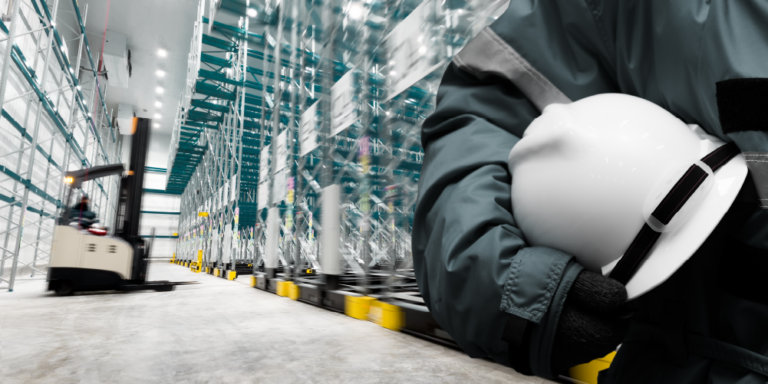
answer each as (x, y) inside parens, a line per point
(217, 331)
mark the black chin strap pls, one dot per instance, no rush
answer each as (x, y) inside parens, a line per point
(675, 199)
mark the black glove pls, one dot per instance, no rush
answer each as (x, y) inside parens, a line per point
(593, 322)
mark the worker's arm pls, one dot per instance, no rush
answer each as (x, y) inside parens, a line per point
(481, 281)
(473, 266)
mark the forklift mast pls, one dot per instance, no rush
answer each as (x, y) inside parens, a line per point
(127, 220)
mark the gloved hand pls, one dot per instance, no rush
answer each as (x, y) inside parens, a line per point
(593, 322)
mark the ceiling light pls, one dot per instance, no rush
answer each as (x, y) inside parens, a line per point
(158, 104)
(160, 73)
(157, 116)
(162, 52)
(156, 125)
(251, 12)
(355, 11)
(159, 90)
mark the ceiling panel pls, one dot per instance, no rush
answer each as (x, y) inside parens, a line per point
(149, 25)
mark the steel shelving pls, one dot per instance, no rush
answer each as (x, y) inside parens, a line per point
(49, 127)
(321, 75)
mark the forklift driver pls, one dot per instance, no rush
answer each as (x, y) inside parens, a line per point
(81, 213)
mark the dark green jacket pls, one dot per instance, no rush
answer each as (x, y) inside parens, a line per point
(476, 272)
(83, 215)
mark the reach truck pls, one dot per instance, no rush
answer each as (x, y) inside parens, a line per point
(85, 258)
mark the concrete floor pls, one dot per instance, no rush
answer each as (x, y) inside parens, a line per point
(217, 331)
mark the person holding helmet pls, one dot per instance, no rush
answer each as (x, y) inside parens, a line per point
(596, 175)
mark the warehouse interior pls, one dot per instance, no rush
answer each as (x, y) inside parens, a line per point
(278, 152)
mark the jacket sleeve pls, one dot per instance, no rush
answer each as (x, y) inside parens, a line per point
(475, 271)
(471, 261)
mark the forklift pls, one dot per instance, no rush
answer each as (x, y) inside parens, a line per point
(83, 258)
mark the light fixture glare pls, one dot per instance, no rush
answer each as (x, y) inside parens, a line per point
(355, 11)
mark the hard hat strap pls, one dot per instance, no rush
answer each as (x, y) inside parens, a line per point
(666, 210)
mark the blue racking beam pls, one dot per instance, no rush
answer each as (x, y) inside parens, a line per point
(159, 191)
(28, 183)
(186, 162)
(16, 203)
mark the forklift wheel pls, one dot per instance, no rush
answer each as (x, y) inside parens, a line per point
(65, 288)
(166, 288)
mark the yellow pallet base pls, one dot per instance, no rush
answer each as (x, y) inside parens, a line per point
(253, 281)
(283, 287)
(231, 275)
(587, 373)
(357, 307)
(216, 272)
(293, 291)
(387, 315)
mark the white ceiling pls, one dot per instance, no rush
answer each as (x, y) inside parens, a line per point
(149, 25)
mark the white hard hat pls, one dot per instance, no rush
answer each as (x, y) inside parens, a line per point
(623, 185)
